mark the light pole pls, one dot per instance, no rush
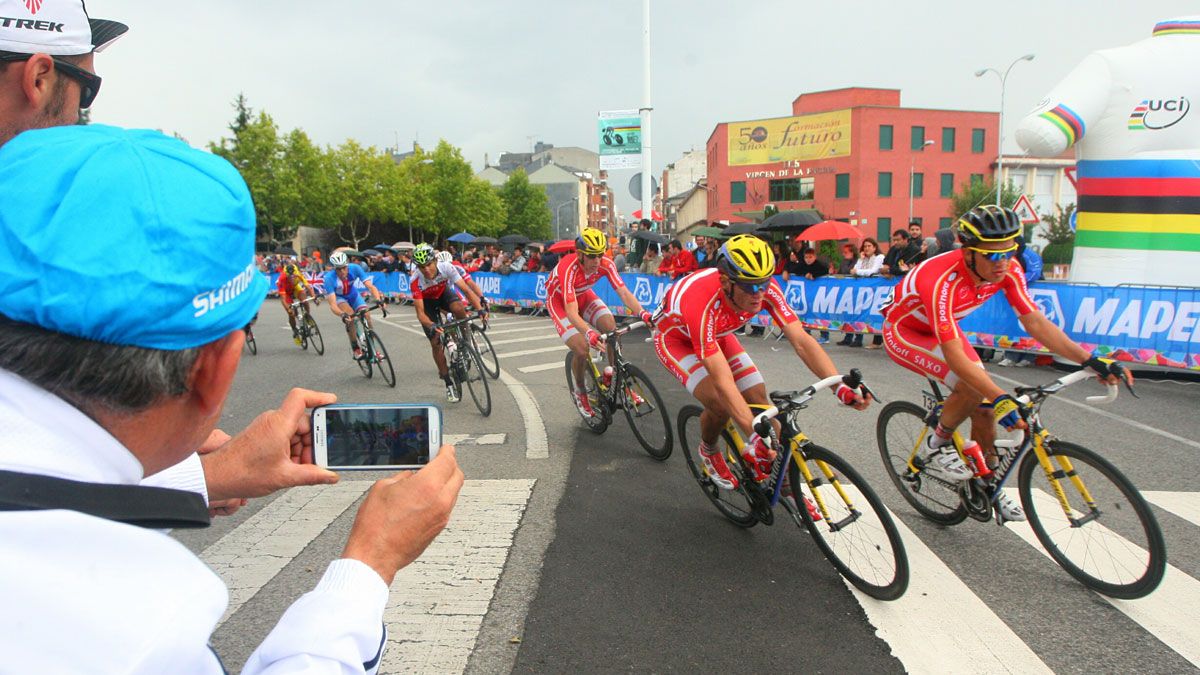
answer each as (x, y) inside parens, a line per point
(1000, 140)
(912, 167)
(558, 217)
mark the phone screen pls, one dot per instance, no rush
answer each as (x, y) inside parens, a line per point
(371, 436)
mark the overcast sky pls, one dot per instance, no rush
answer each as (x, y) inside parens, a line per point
(488, 74)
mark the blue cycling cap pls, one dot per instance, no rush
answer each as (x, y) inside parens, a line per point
(126, 237)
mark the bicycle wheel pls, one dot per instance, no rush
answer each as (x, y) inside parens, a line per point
(302, 330)
(360, 338)
(250, 343)
(487, 353)
(477, 379)
(1114, 545)
(900, 427)
(378, 354)
(599, 420)
(736, 504)
(314, 334)
(646, 413)
(856, 532)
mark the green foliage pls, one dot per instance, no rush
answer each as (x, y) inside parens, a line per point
(769, 210)
(1061, 248)
(255, 150)
(980, 193)
(526, 207)
(1060, 253)
(829, 251)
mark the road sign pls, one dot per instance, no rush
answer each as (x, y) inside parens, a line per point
(1026, 212)
(635, 186)
(620, 139)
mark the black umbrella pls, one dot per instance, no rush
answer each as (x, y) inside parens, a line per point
(791, 221)
(651, 236)
(485, 240)
(741, 228)
(513, 239)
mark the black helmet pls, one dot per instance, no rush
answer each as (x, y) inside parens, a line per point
(988, 223)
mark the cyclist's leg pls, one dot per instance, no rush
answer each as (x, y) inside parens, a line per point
(921, 353)
(595, 312)
(434, 312)
(570, 336)
(286, 301)
(349, 308)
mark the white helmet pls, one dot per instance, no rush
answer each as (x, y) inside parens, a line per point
(339, 259)
(444, 257)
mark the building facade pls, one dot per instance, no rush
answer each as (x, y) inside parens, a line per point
(683, 174)
(853, 154)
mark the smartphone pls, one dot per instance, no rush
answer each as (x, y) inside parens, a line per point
(379, 437)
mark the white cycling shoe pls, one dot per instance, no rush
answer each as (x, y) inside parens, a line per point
(943, 459)
(1008, 508)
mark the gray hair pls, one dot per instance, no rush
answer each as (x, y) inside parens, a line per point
(90, 375)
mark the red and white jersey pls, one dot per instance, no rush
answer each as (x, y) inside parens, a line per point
(567, 280)
(433, 288)
(696, 307)
(462, 271)
(935, 294)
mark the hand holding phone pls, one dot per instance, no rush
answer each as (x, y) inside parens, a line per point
(386, 437)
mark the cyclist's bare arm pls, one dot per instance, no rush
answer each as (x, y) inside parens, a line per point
(331, 299)
(733, 402)
(471, 295)
(809, 351)
(419, 304)
(572, 308)
(374, 291)
(630, 302)
(475, 287)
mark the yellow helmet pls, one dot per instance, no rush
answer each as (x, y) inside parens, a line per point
(746, 258)
(591, 241)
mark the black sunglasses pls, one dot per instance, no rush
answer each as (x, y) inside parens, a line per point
(752, 288)
(89, 83)
(593, 256)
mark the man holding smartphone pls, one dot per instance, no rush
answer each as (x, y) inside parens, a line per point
(96, 393)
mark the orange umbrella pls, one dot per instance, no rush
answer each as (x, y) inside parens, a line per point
(654, 215)
(830, 229)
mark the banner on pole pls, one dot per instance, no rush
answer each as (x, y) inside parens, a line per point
(620, 139)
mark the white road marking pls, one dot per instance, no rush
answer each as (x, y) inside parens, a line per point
(1112, 416)
(518, 330)
(438, 603)
(471, 439)
(975, 641)
(551, 336)
(1164, 613)
(536, 444)
(541, 366)
(527, 352)
(253, 553)
(1186, 505)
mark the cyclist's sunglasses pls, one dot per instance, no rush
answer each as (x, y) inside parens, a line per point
(593, 256)
(89, 83)
(997, 256)
(752, 288)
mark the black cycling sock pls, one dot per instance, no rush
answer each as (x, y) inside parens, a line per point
(447, 380)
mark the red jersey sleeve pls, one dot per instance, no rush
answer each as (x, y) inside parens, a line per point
(938, 298)
(777, 306)
(1017, 292)
(416, 290)
(569, 275)
(610, 271)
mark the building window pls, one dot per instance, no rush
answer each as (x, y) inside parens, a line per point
(883, 230)
(918, 185)
(885, 183)
(976, 179)
(885, 137)
(842, 186)
(791, 189)
(943, 223)
(977, 139)
(918, 138)
(947, 139)
(947, 185)
(737, 192)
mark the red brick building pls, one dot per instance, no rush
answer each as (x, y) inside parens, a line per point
(849, 153)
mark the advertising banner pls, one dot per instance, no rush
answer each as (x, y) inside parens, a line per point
(619, 137)
(786, 139)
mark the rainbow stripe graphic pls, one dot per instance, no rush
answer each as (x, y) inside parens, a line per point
(1141, 204)
(1136, 118)
(1067, 122)
(1177, 28)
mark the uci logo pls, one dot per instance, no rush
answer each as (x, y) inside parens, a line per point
(643, 292)
(1159, 113)
(796, 299)
(540, 290)
(1047, 301)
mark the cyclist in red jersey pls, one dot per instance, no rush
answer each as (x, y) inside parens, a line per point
(573, 305)
(921, 333)
(431, 283)
(694, 339)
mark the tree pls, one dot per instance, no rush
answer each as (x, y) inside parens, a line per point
(307, 193)
(366, 193)
(980, 193)
(255, 150)
(463, 201)
(526, 209)
(1061, 248)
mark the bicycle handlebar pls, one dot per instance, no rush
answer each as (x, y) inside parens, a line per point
(1066, 381)
(471, 316)
(796, 398)
(625, 329)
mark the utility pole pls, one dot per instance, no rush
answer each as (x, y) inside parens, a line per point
(647, 194)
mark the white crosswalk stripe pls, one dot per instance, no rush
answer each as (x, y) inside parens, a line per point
(1186, 505)
(541, 366)
(527, 352)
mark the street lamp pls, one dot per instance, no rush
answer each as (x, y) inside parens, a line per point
(1000, 140)
(912, 167)
(558, 217)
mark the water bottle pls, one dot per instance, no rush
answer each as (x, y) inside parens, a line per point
(607, 376)
(450, 349)
(973, 452)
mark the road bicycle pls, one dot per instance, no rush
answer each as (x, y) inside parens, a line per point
(251, 343)
(306, 327)
(487, 353)
(626, 388)
(464, 363)
(851, 525)
(1087, 515)
(374, 355)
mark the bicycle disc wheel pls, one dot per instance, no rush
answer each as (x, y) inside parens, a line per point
(477, 379)
(250, 343)
(646, 413)
(487, 353)
(598, 421)
(314, 335)
(1114, 546)
(735, 504)
(900, 427)
(856, 532)
(361, 340)
(378, 354)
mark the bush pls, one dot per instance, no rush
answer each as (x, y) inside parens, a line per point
(1058, 253)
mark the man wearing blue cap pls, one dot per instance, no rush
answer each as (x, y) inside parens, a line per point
(113, 375)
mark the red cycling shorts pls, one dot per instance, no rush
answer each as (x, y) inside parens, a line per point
(920, 352)
(591, 308)
(677, 355)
